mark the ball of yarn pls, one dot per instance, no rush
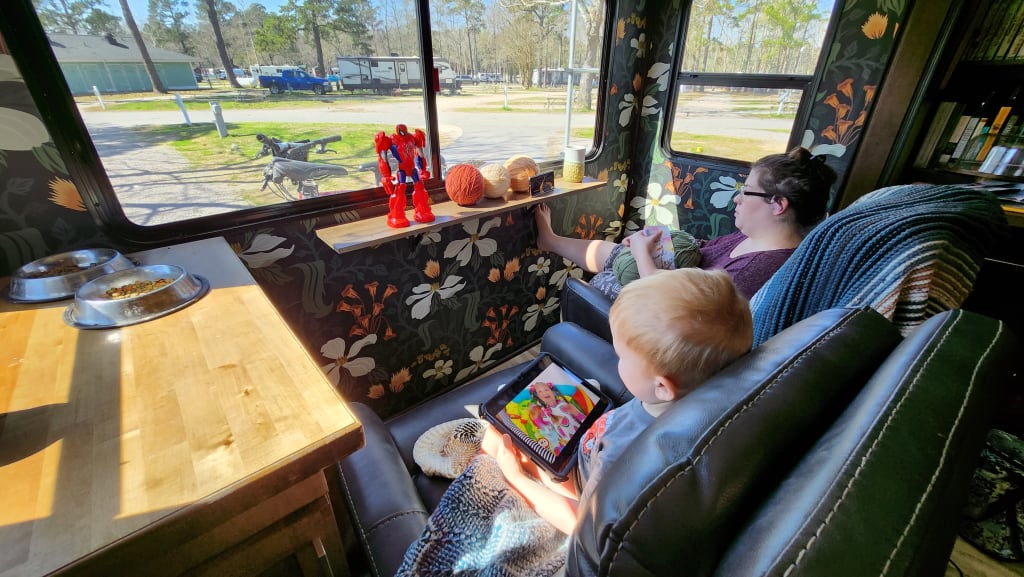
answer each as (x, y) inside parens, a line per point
(496, 180)
(520, 169)
(464, 184)
(687, 254)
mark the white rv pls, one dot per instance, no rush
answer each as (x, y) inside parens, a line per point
(384, 74)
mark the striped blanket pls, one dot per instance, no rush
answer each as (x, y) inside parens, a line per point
(907, 251)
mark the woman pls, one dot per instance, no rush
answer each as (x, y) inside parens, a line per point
(784, 196)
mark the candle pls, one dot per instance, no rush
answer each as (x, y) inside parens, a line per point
(572, 168)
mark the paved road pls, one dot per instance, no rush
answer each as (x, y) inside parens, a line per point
(157, 185)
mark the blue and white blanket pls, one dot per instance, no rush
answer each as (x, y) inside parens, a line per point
(482, 527)
(907, 251)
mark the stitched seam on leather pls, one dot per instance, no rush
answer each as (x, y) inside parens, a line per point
(863, 460)
(827, 338)
(945, 451)
(867, 455)
(358, 524)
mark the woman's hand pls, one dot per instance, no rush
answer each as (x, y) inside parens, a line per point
(644, 245)
(643, 242)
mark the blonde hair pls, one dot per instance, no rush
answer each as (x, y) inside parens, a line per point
(686, 324)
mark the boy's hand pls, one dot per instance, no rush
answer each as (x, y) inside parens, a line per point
(509, 459)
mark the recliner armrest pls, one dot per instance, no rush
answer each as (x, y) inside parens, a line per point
(386, 507)
(586, 306)
(587, 355)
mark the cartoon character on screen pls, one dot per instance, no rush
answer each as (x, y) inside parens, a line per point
(407, 149)
(562, 411)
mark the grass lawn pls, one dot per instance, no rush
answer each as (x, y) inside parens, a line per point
(235, 156)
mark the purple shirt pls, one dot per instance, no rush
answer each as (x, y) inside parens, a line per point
(749, 271)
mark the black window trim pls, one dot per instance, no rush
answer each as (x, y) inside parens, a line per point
(44, 79)
(809, 84)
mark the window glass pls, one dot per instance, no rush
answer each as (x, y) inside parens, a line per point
(763, 55)
(274, 101)
(527, 74)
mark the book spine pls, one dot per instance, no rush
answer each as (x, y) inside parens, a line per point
(940, 126)
(1014, 17)
(993, 132)
(983, 36)
(946, 153)
(972, 125)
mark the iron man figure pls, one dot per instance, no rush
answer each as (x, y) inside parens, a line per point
(408, 151)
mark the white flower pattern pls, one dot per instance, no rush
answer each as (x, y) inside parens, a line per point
(262, 251)
(422, 298)
(335, 349)
(441, 368)
(462, 249)
(655, 205)
(480, 360)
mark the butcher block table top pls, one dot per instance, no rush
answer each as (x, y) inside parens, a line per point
(109, 435)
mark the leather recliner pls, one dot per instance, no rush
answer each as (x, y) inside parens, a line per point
(836, 447)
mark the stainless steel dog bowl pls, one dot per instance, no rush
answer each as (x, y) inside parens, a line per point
(58, 276)
(133, 296)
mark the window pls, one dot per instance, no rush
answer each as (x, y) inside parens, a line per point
(274, 105)
(746, 76)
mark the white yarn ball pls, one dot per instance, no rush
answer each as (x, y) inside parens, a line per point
(496, 180)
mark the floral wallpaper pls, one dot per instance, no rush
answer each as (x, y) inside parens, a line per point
(700, 191)
(398, 323)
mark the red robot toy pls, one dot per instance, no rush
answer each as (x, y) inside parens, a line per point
(408, 151)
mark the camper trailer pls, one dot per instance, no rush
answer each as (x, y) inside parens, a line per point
(385, 74)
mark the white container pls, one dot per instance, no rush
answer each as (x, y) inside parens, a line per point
(572, 167)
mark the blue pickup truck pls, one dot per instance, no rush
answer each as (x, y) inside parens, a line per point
(289, 80)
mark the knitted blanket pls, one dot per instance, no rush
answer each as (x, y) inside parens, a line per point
(907, 251)
(482, 527)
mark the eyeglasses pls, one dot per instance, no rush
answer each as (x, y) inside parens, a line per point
(746, 192)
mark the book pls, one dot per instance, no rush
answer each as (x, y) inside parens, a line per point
(983, 36)
(993, 132)
(940, 126)
(946, 152)
(665, 259)
(965, 137)
(1012, 20)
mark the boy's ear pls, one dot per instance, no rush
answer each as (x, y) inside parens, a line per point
(665, 389)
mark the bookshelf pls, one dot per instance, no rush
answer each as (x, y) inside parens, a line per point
(973, 111)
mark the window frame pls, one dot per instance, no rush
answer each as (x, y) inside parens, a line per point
(44, 79)
(807, 83)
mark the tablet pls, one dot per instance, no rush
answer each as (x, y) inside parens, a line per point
(546, 410)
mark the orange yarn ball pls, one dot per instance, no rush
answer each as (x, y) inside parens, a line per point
(464, 184)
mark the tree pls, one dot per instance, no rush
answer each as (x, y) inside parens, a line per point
(276, 36)
(229, 69)
(75, 16)
(548, 16)
(167, 25)
(321, 19)
(472, 12)
(147, 62)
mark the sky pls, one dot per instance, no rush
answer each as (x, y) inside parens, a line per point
(140, 8)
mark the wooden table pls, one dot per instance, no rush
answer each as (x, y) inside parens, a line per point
(193, 442)
(355, 235)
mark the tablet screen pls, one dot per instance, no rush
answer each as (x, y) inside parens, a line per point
(548, 411)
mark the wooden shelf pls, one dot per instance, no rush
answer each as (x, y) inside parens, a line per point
(351, 236)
